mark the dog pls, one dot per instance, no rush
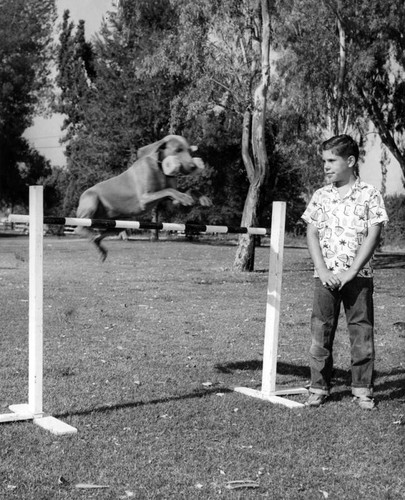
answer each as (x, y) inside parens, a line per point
(149, 180)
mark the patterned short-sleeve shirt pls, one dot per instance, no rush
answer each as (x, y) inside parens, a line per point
(343, 222)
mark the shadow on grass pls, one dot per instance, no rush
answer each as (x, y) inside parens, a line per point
(255, 365)
(393, 387)
(390, 389)
(137, 404)
(391, 260)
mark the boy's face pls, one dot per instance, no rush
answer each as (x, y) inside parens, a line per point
(338, 170)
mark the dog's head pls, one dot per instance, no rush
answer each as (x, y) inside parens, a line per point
(174, 152)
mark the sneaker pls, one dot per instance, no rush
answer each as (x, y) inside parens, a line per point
(316, 399)
(365, 402)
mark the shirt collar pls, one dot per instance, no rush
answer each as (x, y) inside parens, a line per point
(355, 187)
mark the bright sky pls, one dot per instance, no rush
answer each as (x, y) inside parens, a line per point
(91, 11)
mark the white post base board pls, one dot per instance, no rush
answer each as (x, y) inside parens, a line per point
(47, 422)
(275, 396)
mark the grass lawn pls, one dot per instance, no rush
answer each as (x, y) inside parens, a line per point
(141, 354)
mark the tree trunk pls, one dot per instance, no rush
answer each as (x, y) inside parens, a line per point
(337, 119)
(377, 117)
(340, 87)
(253, 134)
(384, 170)
(245, 253)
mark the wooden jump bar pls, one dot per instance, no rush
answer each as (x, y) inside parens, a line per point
(129, 224)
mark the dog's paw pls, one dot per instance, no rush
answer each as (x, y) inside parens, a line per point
(103, 253)
(205, 201)
(184, 199)
(198, 162)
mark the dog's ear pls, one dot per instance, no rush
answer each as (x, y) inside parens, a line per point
(151, 149)
(155, 147)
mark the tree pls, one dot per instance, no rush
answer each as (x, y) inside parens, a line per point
(223, 49)
(312, 64)
(75, 72)
(341, 64)
(25, 44)
(254, 150)
(376, 32)
(202, 73)
(112, 109)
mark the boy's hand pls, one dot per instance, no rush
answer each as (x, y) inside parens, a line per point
(345, 277)
(330, 280)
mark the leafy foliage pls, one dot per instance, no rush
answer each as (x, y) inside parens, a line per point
(309, 39)
(25, 38)
(394, 232)
(112, 107)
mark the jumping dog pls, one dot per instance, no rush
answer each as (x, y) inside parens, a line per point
(150, 179)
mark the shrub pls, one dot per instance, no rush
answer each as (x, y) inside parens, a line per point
(394, 232)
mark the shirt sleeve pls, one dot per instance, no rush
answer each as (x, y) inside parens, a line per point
(377, 214)
(313, 211)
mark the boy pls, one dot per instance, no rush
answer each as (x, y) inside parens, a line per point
(344, 221)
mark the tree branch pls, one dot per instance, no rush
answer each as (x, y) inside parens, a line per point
(377, 118)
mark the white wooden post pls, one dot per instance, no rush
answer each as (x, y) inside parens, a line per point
(269, 372)
(33, 410)
(35, 324)
(273, 299)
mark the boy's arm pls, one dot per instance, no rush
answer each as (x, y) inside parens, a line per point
(326, 276)
(363, 255)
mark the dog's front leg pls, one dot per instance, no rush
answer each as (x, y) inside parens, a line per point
(150, 199)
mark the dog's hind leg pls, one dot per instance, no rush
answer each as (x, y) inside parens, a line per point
(87, 209)
(95, 238)
(97, 241)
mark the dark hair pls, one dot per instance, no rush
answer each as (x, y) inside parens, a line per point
(342, 145)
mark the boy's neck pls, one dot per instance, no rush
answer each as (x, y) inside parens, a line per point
(344, 186)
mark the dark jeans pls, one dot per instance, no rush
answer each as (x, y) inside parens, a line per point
(357, 298)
